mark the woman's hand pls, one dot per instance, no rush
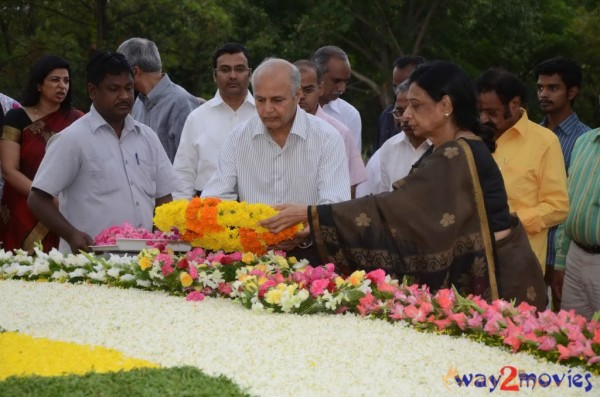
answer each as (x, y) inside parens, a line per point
(289, 215)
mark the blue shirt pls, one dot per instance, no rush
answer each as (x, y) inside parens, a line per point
(567, 132)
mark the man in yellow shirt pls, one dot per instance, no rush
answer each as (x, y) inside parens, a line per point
(529, 156)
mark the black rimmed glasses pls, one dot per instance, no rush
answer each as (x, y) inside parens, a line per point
(397, 113)
(239, 69)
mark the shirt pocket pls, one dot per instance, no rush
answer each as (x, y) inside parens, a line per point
(147, 177)
(102, 173)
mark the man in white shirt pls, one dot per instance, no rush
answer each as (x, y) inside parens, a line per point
(106, 167)
(394, 160)
(282, 155)
(311, 87)
(207, 127)
(335, 68)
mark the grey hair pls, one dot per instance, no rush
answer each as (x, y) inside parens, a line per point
(402, 87)
(304, 64)
(322, 56)
(269, 64)
(142, 53)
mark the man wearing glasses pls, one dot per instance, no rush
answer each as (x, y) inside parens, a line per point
(395, 158)
(311, 88)
(207, 127)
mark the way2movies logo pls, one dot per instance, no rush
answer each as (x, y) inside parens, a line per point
(510, 378)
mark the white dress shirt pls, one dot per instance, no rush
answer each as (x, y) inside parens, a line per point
(396, 159)
(391, 162)
(311, 168)
(204, 133)
(349, 116)
(103, 180)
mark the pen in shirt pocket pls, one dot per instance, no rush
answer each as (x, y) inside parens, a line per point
(137, 159)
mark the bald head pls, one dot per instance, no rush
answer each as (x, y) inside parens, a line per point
(277, 66)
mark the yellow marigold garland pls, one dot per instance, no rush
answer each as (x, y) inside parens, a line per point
(221, 225)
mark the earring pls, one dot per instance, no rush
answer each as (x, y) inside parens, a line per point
(446, 115)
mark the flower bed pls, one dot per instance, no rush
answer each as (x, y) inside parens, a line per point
(274, 283)
(271, 355)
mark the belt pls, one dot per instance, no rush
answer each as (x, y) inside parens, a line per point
(590, 249)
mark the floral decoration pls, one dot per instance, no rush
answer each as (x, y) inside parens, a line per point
(215, 225)
(126, 231)
(274, 283)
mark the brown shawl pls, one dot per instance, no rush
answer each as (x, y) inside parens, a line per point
(432, 227)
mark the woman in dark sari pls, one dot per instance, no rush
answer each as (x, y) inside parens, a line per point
(447, 223)
(46, 110)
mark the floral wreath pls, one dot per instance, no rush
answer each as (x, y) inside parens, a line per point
(214, 224)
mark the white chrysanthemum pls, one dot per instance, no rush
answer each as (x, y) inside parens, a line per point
(56, 256)
(77, 273)
(127, 278)
(155, 273)
(5, 255)
(114, 272)
(98, 276)
(59, 274)
(40, 267)
(143, 283)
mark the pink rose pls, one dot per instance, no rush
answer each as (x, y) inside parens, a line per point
(317, 287)
(195, 296)
(376, 276)
(224, 288)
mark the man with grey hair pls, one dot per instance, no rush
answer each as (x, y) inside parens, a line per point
(335, 68)
(282, 155)
(161, 104)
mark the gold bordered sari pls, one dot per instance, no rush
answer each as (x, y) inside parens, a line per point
(19, 228)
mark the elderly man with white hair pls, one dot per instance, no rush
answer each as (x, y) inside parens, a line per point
(282, 155)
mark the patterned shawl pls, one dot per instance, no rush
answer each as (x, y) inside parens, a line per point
(432, 227)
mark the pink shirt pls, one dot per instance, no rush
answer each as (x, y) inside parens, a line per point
(356, 166)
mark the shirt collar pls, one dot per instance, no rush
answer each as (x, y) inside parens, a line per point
(299, 126)
(521, 125)
(156, 93)
(335, 105)
(566, 127)
(217, 100)
(97, 122)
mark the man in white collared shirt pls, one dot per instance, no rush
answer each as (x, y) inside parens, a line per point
(335, 68)
(282, 155)
(106, 167)
(207, 127)
(394, 160)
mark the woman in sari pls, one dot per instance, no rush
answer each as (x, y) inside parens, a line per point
(46, 111)
(447, 223)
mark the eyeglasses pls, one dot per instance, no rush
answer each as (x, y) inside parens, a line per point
(309, 89)
(239, 69)
(397, 113)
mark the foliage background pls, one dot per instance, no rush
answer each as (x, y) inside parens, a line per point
(477, 34)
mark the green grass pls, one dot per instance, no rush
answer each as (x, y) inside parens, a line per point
(176, 382)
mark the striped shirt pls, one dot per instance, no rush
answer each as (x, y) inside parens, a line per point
(311, 168)
(567, 132)
(583, 222)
